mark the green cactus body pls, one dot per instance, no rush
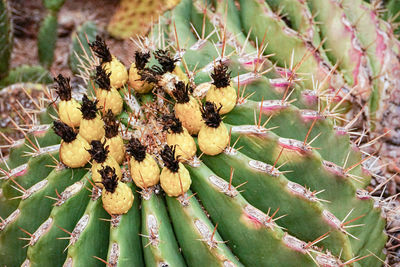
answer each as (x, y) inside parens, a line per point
(125, 243)
(159, 243)
(89, 236)
(47, 39)
(6, 40)
(80, 46)
(25, 73)
(297, 16)
(191, 226)
(20, 150)
(34, 204)
(68, 209)
(26, 175)
(53, 5)
(288, 190)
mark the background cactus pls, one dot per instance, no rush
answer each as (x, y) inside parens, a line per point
(289, 190)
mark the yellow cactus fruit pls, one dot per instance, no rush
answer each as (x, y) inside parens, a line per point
(222, 92)
(119, 74)
(117, 149)
(134, 81)
(213, 136)
(73, 150)
(91, 127)
(112, 138)
(111, 65)
(100, 158)
(108, 96)
(181, 75)
(187, 108)
(117, 197)
(68, 108)
(143, 168)
(179, 137)
(110, 100)
(69, 112)
(175, 178)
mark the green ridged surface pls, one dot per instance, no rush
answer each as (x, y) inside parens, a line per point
(80, 49)
(47, 38)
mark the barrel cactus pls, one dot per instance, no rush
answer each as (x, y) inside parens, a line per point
(217, 156)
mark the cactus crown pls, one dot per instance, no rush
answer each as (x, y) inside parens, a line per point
(98, 151)
(168, 156)
(136, 149)
(181, 92)
(141, 59)
(210, 114)
(166, 61)
(88, 108)
(63, 88)
(221, 76)
(111, 125)
(101, 50)
(102, 78)
(109, 179)
(64, 131)
(172, 123)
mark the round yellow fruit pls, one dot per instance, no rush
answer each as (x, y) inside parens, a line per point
(69, 112)
(92, 129)
(190, 115)
(181, 75)
(119, 74)
(109, 99)
(185, 145)
(118, 202)
(225, 96)
(110, 161)
(175, 183)
(116, 148)
(134, 81)
(75, 154)
(146, 172)
(213, 141)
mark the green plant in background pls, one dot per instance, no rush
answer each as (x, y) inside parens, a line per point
(6, 40)
(47, 36)
(288, 189)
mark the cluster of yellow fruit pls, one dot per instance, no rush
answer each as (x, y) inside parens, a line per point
(98, 139)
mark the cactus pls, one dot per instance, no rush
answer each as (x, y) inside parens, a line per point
(80, 47)
(53, 5)
(25, 73)
(47, 38)
(276, 181)
(6, 40)
(135, 17)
